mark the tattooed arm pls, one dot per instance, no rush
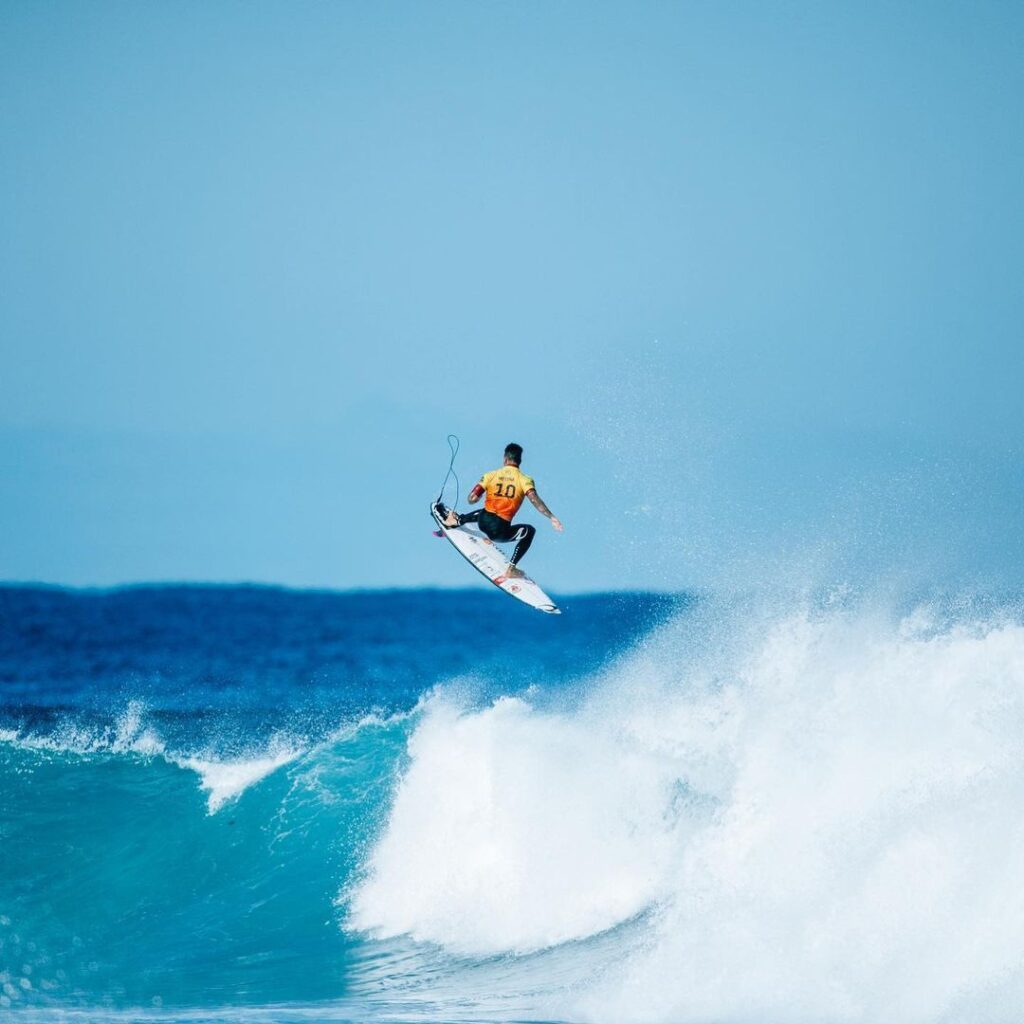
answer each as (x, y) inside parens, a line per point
(539, 505)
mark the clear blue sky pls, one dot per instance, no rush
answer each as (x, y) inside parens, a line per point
(744, 279)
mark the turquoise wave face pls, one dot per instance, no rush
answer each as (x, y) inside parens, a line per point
(119, 887)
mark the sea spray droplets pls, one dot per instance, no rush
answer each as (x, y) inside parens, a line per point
(128, 734)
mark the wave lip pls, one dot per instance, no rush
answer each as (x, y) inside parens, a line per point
(225, 780)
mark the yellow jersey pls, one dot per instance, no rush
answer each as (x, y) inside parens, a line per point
(505, 489)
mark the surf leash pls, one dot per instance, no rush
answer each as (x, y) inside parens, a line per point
(453, 446)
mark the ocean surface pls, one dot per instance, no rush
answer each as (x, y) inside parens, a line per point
(248, 803)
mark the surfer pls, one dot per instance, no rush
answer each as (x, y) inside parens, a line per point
(505, 489)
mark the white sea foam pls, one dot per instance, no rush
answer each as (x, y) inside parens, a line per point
(504, 814)
(225, 780)
(827, 816)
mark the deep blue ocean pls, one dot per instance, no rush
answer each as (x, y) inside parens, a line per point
(248, 803)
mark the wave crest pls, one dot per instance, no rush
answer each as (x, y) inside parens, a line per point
(823, 809)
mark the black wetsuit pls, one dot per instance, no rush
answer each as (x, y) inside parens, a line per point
(502, 530)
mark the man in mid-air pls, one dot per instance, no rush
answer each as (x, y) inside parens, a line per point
(505, 489)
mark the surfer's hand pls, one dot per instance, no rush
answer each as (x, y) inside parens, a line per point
(557, 523)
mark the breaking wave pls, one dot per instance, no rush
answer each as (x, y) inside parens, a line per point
(809, 816)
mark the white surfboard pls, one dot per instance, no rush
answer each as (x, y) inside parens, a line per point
(488, 559)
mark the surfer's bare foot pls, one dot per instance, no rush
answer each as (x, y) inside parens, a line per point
(451, 520)
(514, 572)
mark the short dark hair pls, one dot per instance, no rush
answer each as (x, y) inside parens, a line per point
(514, 452)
